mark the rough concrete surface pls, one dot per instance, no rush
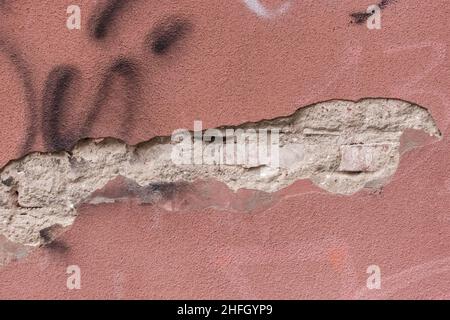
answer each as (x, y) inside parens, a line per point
(87, 179)
(340, 145)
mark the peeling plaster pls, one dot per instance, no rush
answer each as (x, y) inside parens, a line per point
(341, 146)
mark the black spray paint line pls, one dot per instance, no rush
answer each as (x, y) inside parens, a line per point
(166, 34)
(100, 24)
(127, 70)
(25, 74)
(60, 82)
(54, 103)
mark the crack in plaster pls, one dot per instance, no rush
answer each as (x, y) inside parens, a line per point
(341, 146)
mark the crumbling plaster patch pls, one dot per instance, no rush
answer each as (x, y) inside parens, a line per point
(341, 146)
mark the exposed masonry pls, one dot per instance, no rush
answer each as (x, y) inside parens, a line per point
(341, 146)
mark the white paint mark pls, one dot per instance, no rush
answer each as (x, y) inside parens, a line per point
(257, 7)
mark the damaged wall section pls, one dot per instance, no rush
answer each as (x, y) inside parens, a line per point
(341, 146)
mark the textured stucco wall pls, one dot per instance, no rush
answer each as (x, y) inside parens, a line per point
(225, 66)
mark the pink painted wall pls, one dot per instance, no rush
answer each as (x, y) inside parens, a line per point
(229, 66)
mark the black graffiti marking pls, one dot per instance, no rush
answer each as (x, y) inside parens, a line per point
(25, 75)
(361, 17)
(167, 34)
(384, 3)
(100, 23)
(60, 81)
(127, 70)
(54, 102)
